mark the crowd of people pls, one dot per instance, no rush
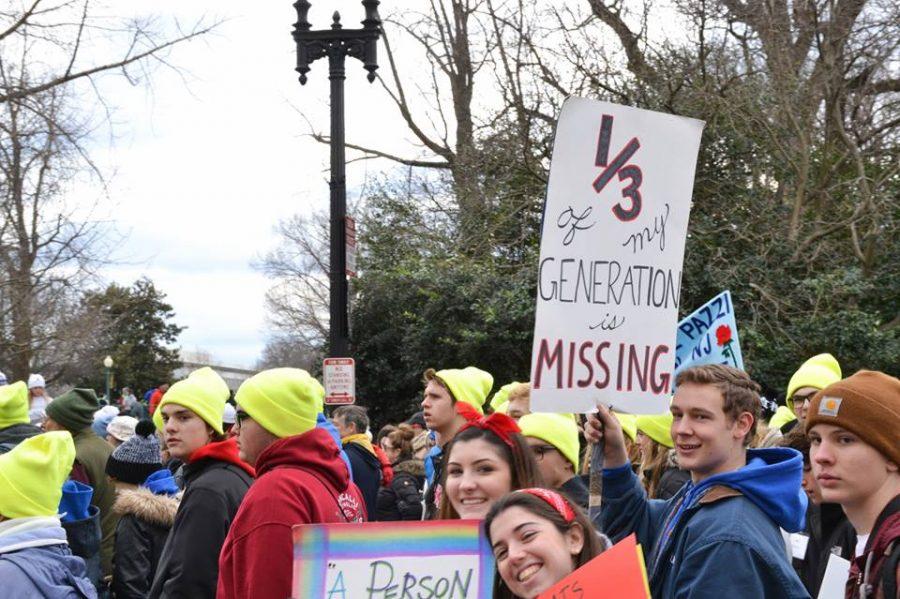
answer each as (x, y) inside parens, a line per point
(192, 491)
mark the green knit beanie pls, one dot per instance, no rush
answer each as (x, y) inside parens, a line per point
(74, 410)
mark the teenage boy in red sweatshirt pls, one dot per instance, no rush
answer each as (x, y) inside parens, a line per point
(301, 479)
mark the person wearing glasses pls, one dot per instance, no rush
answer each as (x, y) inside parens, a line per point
(215, 482)
(553, 438)
(815, 374)
(301, 479)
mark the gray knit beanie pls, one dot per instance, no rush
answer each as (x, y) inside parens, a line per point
(138, 457)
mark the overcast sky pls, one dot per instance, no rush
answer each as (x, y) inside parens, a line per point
(207, 159)
(206, 162)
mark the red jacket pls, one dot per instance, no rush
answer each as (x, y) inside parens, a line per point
(300, 480)
(155, 398)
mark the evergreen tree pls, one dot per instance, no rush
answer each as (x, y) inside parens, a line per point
(138, 336)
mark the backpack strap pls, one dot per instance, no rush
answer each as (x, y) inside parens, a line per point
(889, 570)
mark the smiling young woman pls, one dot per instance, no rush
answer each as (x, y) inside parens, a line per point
(487, 459)
(538, 537)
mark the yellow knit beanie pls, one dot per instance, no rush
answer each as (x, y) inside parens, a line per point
(658, 427)
(203, 392)
(500, 400)
(629, 424)
(32, 475)
(284, 401)
(470, 385)
(559, 430)
(14, 404)
(782, 416)
(817, 372)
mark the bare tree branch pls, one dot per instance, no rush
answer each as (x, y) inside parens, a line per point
(68, 77)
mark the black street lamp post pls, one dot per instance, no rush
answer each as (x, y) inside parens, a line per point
(337, 43)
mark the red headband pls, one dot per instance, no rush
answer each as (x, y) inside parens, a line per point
(554, 500)
(500, 424)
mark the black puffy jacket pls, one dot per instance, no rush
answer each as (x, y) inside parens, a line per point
(829, 532)
(189, 564)
(144, 523)
(402, 499)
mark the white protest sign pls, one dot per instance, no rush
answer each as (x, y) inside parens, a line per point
(390, 560)
(339, 375)
(834, 582)
(799, 543)
(612, 248)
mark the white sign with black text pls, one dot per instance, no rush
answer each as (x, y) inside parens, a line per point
(340, 381)
(612, 248)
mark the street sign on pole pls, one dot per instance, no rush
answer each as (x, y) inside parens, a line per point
(350, 243)
(340, 381)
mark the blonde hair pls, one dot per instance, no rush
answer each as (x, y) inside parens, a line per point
(653, 466)
(520, 391)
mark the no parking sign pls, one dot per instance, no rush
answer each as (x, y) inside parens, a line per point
(340, 381)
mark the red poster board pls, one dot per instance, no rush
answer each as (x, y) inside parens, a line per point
(617, 572)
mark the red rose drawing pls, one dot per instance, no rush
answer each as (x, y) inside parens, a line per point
(724, 340)
(723, 335)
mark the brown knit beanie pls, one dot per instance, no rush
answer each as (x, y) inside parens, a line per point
(866, 404)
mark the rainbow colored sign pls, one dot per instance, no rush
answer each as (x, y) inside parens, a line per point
(446, 559)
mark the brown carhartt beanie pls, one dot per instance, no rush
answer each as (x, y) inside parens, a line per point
(867, 404)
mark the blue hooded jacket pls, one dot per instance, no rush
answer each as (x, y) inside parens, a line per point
(717, 538)
(46, 570)
(434, 455)
(328, 425)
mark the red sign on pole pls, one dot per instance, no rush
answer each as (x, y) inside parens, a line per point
(340, 381)
(350, 244)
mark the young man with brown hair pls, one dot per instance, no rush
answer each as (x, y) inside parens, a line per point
(827, 533)
(452, 397)
(720, 532)
(854, 432)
